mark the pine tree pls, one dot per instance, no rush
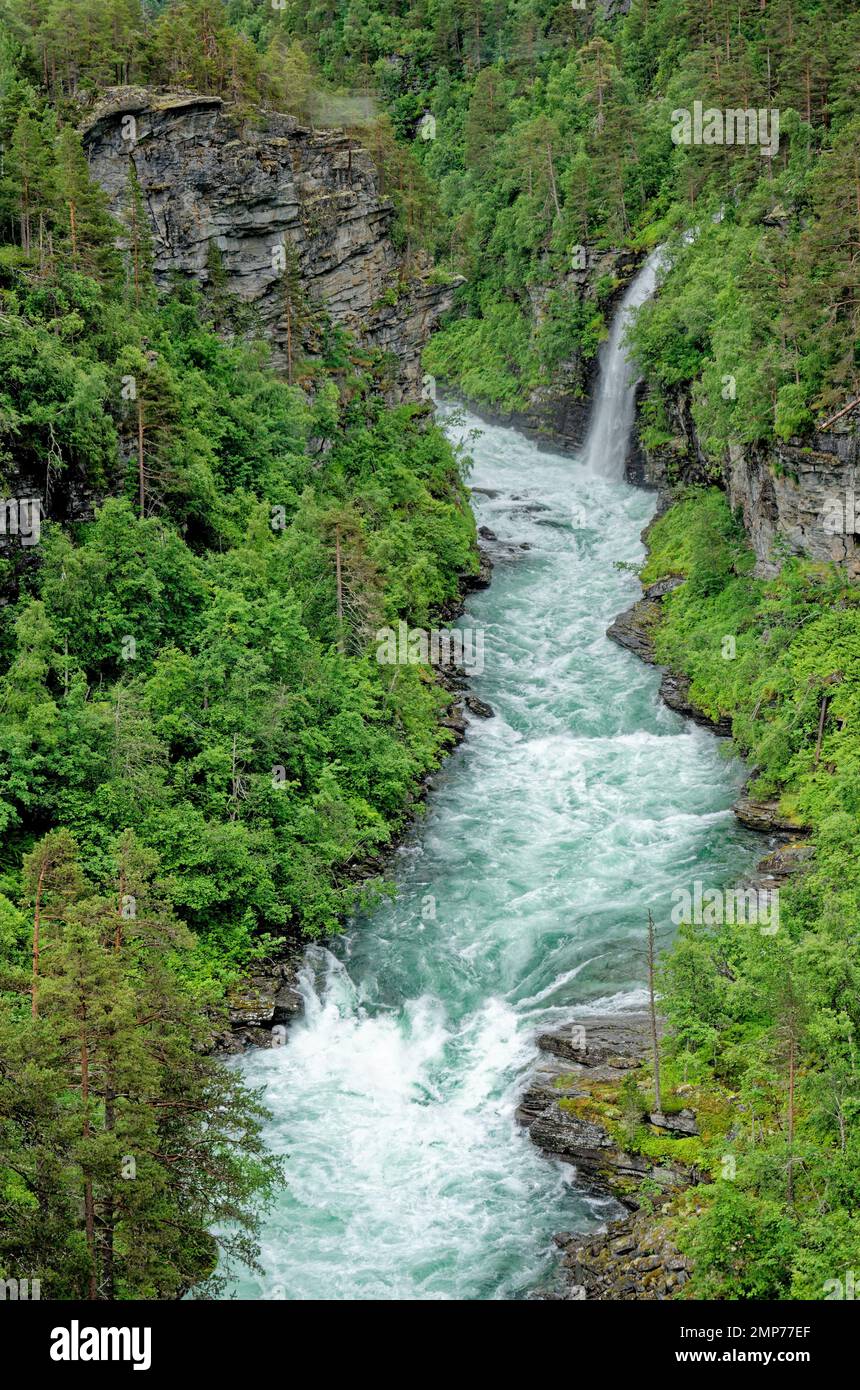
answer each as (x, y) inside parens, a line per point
(51, 878)
(218, 297)
(153, 412)
(287, 77)
(28, 176)
(790, 1030)
(138, 241)
(537, 146)
(358, 605)
(87, 229)
(486, 119)
(131, 1142)
(652, 1014)
(611, 139)
(295, 309)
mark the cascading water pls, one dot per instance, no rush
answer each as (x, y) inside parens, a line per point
(612, 420)
(523, 895)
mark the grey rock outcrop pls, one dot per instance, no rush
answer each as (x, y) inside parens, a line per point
(599, 1051)
(675, 692)
(268, 998)
(801, 499)
(212, 178)
(632, 1259)
(632, 1256)
(634, 628)
(766, 816)
(680, 1122)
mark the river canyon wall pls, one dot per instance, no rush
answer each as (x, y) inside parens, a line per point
(795, 497)
(217, 181)
(222, 193)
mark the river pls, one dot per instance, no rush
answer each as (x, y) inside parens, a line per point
(523, 895)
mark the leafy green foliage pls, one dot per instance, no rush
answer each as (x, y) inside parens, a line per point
(180, 664)
(189, 691)
(123, 1143)
(773, 1018)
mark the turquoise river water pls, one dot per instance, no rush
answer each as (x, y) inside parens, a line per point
(522, 899)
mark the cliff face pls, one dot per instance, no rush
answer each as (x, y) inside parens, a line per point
(800, 499)
(211, 179)
(795, 498)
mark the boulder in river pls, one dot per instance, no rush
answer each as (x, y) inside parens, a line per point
(479, 707)
(454, 722)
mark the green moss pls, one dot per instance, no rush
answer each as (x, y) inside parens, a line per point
(689, 1151)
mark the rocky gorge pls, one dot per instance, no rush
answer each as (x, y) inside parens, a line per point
(261, 197)
(795, 497)
(414, 940)
(214, 184)
(577, 1105)
(574, 1107)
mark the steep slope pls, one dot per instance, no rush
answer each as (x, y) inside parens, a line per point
(267, 200)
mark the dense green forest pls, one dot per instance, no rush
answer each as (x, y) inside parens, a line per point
(553, 133)
(194, 668)
(767, 1022)
(198, 751)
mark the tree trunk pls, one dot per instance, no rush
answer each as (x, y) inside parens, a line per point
(37, 922)
(822, 719)
(141, 479)
(339, 577)
(551, 168)
(117, 939)
(655, 1046)
(792, 1053)
(135, 250)
(89, 1205)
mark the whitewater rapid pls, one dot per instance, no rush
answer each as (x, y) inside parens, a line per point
(522, 898)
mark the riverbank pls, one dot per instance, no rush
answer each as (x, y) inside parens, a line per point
(581, 1107)
(759, 1018)
(587, 1101)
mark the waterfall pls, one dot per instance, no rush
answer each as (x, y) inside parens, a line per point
(612, 417)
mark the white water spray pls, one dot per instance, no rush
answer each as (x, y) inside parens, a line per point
(612, 418)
